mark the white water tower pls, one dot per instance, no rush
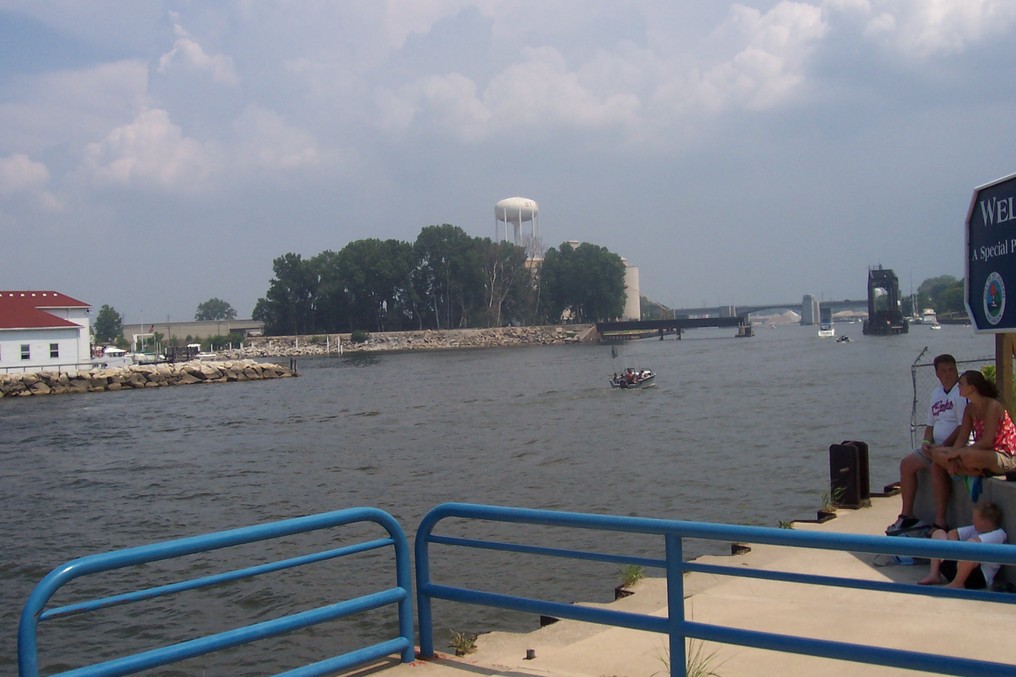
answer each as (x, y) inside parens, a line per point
(518, 211)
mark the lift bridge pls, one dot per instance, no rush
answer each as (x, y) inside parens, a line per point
(710, 316)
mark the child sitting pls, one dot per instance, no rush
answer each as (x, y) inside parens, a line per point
(971, 575)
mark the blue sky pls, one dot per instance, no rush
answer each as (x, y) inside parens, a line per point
(157, 154)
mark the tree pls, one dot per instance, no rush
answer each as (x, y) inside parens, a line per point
(214, 309)
(288, 307)
(377, 278)
(506, 281)
(943, 293)
(448, 276)
(108, 325)
(587, 281)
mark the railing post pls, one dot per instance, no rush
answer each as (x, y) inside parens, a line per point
(675, 604)
(423, 606)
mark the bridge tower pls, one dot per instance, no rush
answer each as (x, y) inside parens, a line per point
(885, 314)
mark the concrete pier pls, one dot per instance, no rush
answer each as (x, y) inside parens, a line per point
(567, 648)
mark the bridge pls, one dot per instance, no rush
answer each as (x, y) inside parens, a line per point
(731, 311)
(619, 331)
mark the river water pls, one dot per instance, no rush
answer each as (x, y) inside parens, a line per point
(735, 430)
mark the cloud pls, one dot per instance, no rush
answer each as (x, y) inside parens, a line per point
(21, 177)
(268, 142)
(71, 107)
(538, 92)
(922, 29)
(187, 55)
(771, 64)
(151, 151)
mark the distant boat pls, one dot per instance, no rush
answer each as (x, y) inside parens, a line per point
(633, 378)
(928, 316)
(825, 327)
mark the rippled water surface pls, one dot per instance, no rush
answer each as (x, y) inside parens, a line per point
(736, 430)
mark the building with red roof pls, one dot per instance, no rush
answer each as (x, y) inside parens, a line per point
(43, 330)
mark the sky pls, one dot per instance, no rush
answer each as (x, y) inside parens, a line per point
(154, 155)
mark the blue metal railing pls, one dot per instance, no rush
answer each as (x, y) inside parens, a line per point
(675, 625)
(35, 608)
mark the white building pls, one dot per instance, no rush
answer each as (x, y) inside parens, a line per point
(809, 310)
(632, 293)
(43, 331)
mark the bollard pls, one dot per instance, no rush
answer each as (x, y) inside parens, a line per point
(849, 480)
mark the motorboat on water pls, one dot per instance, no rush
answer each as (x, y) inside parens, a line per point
(112, 357)
(633, 378)
(843, 339)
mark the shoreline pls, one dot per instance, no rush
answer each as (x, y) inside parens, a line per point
(137, 376)
(412, 341)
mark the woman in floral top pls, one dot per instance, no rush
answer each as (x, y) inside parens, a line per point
(993, 451)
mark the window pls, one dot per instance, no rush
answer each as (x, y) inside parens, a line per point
(54, 350)
(26, 351)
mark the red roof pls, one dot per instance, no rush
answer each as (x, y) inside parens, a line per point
(27, 309)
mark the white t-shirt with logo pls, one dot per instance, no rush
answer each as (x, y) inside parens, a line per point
(989, 569)
(945, 411)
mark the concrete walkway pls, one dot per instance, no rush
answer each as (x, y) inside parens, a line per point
(570, 648)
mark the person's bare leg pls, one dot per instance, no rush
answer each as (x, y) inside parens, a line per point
(909, 467)
(934, 576)
(941, 485)
(963, 571)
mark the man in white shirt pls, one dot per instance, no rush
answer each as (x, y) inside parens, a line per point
(945, 413)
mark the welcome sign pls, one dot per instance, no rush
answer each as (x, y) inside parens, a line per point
(991, 256)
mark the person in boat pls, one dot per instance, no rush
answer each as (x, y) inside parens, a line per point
(945, 414)
(993, 451)
(987, 528)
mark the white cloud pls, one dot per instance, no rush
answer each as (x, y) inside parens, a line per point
(70, 107)
(542, 90)
(771, 64)
(538, 92)
(187, 55)
(20, 176)
(268, 142)
(151, 151)
(927, 28)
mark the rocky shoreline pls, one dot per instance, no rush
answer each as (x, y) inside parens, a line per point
(137, 376)
(405, 341)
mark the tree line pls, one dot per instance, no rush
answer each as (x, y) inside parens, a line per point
(944, 293)
(445, 279)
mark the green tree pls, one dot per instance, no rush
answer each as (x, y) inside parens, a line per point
(506, 281)
(929, 291)
(943, 293)
(331, 303)
(288, 306)
(214, 309)
(377, 276)
(108, 325)
(447, 277)
(587, 281)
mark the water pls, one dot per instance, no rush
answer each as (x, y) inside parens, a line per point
(736, 430)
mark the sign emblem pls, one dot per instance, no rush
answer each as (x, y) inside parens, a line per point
(994, 298)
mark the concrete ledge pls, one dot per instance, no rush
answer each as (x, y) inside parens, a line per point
(996, 489)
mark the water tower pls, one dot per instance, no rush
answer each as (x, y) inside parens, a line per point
(517, 211)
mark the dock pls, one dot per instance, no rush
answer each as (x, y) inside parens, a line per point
(948, 627)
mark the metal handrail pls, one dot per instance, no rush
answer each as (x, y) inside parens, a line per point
(35, 610)
(674, 624)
